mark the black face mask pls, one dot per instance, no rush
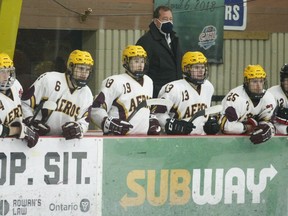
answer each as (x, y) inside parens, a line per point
(166, 27)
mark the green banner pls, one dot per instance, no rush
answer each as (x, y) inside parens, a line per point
(199, 25)
(219, 175)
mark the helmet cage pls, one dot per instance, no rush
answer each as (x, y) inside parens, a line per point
(7, 84)
(252, 95)
(74, 72)
(78, 57)
(134, 51)
(190, 78)
(188, 60)
(137, 74)
(254, 72)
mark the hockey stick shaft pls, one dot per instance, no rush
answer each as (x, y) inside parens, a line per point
(150, 102)
(207, 111)
(37, 110)
(44, 105)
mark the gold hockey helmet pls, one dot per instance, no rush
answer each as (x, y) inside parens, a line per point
(7, 66)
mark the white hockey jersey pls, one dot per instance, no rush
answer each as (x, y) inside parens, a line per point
(71, 105)
(120, 95)
(10, 107)
(186, 102)
(240, 101)
(282, 101)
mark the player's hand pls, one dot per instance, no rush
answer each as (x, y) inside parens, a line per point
(41, 128)
(72, 130)
(154, 126)
(250, 125)
(282, 116)
(116, 126)
(262, 133)
(211, 126)
(27, 134)
(178, 127)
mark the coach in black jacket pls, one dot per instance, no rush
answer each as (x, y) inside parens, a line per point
(164, 55)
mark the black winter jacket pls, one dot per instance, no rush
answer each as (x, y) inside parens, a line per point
(164, 63)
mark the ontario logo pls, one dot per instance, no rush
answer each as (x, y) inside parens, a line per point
(207, 37)
(83, 206)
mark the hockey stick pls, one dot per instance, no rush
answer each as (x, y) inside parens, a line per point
(49, 105)
(207, 111)
(149, 102)
(47, 111)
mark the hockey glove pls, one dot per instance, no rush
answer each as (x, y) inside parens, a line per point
(252, 122)
(27, 134)
(41, 128)
(231, 114)
(282, 116)
(250, 125)
(262, 133)
(178, 127)
(72, 130)
(154, 126)
(211, 127)
(116, 126)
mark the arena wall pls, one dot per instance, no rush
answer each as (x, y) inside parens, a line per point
(163, 175)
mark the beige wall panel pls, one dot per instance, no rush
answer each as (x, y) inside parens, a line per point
(285, 45)
(100, 59)
(116, 53)
(234, 69)
(261, 52)
(274, 59)
(240, 59)
(281, 48)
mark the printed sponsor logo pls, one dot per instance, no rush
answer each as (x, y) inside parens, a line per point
(207, 37)
(19, 206)
(84, 206)
(208, 186)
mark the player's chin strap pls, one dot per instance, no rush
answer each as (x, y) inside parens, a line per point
(138, 75)
(72, 82)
